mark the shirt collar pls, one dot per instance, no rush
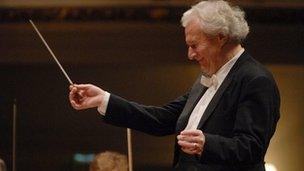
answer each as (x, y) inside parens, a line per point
(216, 79)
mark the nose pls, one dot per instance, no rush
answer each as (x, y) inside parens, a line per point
(191, 53)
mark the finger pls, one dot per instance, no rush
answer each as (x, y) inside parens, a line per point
(73, 89)
(72, 85)
(76, 95)
(72, 93)
(74, 99)
(194, 150)
(82, 86)
(75, 105)
(186, 144)
(191, 145)
(79, 105)
(80, 94)
(191, 139)
(192, 132)
(188, 151)
(186, 138)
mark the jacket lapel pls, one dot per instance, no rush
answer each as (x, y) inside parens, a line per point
(195, 94)
(213, 103)
(198, 90)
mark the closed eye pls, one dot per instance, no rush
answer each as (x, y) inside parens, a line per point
(192, 46)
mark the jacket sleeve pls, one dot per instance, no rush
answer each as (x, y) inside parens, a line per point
(149, 119)
(255, 122)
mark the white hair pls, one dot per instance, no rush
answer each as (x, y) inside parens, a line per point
(218, 17)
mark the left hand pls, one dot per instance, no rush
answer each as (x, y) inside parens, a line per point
(191, 141)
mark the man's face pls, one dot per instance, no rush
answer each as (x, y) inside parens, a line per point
(202, 48)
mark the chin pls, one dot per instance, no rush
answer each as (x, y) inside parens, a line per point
(204, 72)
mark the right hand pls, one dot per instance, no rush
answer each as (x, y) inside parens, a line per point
(84, 96)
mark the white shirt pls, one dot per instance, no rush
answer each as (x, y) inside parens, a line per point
(201, 106)
(103, 107)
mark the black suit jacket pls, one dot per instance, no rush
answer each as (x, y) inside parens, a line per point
(238, 122)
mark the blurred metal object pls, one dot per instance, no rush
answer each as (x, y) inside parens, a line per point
(130, 155)
(14, 133)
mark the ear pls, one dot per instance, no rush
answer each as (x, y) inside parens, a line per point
(222, 39)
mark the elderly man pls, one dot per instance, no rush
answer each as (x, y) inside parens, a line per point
(226, 120)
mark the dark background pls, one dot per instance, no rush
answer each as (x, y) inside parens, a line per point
(139, 55)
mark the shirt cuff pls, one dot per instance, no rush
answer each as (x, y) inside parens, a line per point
(102, 108)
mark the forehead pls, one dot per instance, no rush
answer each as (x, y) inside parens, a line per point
(193, 31)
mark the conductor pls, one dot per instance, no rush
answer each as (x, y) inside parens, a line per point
(226, 119)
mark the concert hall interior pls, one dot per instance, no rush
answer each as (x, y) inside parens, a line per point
(136, 49)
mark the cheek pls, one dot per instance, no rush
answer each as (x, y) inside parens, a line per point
(203, 53)
(203, 49)
(208, 52)
(205, 62)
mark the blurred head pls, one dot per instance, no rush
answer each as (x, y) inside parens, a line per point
(2, 165)
(212, 30)
(109, 161)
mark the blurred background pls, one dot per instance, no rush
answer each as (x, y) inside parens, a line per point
(136, 49)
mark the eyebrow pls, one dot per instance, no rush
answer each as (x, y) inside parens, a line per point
(191, 42)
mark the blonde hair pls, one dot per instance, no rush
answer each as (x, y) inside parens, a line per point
(109, 161)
